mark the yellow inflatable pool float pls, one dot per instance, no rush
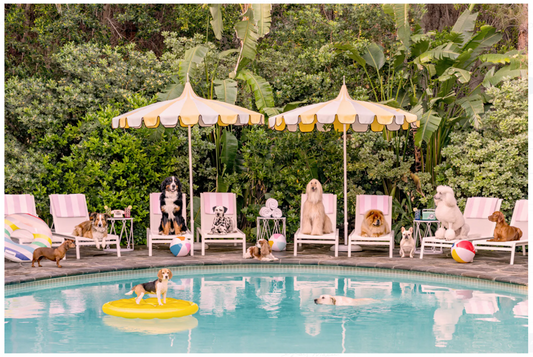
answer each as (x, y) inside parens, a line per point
(149, 308)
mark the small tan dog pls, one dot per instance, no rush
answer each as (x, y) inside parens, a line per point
(374, 224)
(261, 251)
(407, 244)
(95, 228)
(503, 232)
(315, 221)
(158, 287)
(51, 253)
(343, 301)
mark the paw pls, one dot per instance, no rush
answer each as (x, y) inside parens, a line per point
(440, 233)
(450, 234)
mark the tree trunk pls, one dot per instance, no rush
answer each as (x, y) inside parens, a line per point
(439, 16)
(522, 30)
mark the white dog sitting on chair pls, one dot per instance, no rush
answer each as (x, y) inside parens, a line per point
(452, 221)
(315, 221)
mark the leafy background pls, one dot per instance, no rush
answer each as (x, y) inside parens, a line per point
(71, 68)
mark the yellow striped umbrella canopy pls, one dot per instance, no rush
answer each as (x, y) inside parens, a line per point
(189, 109)
(341, 111)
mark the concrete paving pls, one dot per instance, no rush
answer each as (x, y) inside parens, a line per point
(489, 265)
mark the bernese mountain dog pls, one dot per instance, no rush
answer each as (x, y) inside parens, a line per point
(171, 203)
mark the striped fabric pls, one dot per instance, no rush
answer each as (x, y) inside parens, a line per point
(68, 206)
(155, 205)
(188, 109)
(521, 211)
(19, 204)
(480, 207)
(368, 202)
(343, 110)
(212, 199)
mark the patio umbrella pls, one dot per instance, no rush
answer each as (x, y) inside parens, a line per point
(343, 112)
(187, 110)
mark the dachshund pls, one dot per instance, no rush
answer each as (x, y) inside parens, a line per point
(503, 232)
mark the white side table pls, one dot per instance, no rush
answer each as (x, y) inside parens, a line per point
(265, 230)
(422, 229)
(125, 231)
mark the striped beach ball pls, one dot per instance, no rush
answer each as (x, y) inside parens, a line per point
(463, 251)
(277, 242)
(179, 247)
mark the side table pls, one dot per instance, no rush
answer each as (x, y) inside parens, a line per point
(125, 231)
(422, 229)
(265, 231)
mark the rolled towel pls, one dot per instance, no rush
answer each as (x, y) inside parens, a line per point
(271, 203)
(265, 212)
(276, 213)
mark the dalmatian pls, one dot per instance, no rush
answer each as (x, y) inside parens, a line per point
(221, 223)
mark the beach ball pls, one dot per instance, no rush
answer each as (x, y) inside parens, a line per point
(179, 247)
(463, 251)
(277, 242)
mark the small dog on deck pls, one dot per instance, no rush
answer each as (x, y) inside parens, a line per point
(95, 228)
(158, 287)
(407, 244)
(171, 203)
(315, 221)
(51, 253)
(261, 251)
(221, 223)
(503, 232)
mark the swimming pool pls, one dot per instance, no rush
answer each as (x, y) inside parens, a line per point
(271, 309)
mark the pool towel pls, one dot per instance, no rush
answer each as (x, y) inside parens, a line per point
(19, 204)
(271, 203)
(276, 213)
(265, 212)
(271, 209)
(480, 207)
(68, 206)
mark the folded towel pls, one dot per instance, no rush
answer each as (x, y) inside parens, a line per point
(276, 213)
(265, 212)
(271, 203)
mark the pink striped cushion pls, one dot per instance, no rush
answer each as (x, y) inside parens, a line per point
(19, 204)
(480, 207)
(521, 211)
(68, 206)
(368, 202)
(155, 205)
(212, 199)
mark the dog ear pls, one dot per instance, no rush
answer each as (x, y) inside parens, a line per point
(160, 274)
(403, 229)
(411, 229)
(179, 185)
(92, 216)
(225, 209)
(334, 301)
(214, 208)
(107, 216)
(169, 274)
(163, 185)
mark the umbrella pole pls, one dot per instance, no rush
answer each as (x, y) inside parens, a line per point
(191, 197)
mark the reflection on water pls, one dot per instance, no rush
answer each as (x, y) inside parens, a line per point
(232, 309)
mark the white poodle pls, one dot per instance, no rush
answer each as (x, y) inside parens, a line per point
(452, 221)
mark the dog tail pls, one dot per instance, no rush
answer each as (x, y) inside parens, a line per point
(519, 233)
(129, 293)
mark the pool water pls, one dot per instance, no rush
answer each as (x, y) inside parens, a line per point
(273, 312)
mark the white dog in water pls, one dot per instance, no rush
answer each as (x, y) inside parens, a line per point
(343, 301)
(315, 221)
(452, 221)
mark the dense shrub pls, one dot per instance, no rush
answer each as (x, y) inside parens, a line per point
(492, 162)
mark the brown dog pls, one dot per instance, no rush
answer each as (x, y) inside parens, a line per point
(261, 251)
(95, 228)
(374, 224)
(51, 253)
(503, 232)
(159, 287)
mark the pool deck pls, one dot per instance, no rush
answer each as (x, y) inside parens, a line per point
(489, 265)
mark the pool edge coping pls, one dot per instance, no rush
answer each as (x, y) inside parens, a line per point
(381, 266)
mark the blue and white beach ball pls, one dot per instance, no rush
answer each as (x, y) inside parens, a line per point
(179, 247)
(463, 251)
(278, 242)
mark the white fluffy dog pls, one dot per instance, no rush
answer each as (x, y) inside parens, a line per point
(315, 221)
(452, 221)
